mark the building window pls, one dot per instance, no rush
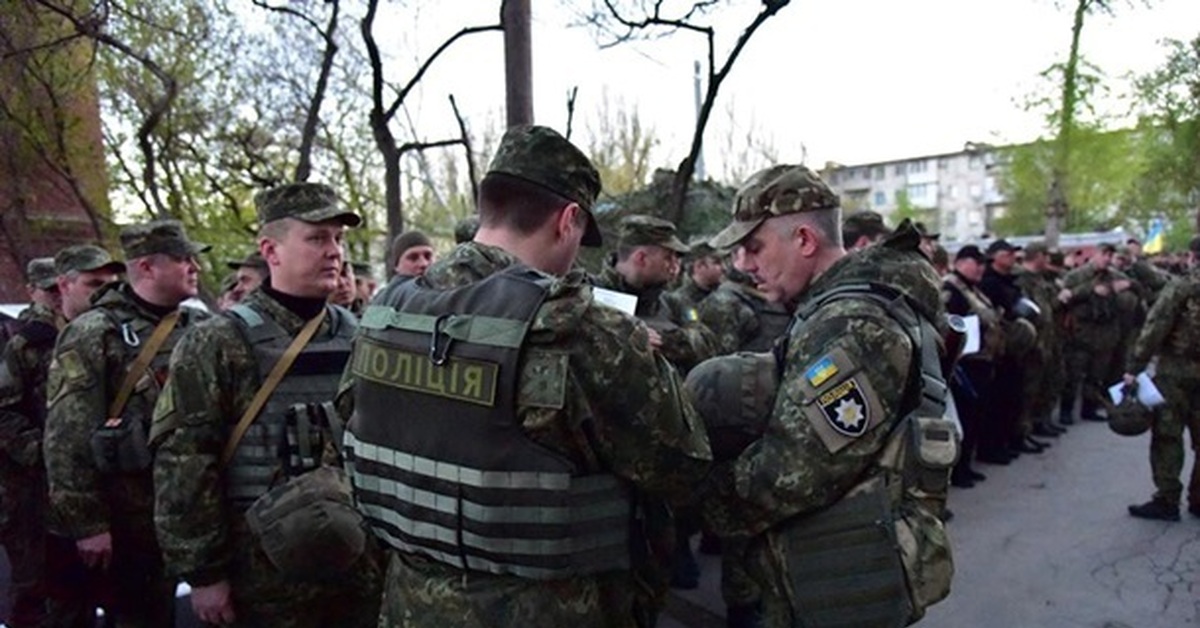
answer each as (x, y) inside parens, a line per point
(975, 163)
(880, 199)
(920, 192)
(899, 170)
(951, 191)
(878, 172)
(917, 166)
(976, 191)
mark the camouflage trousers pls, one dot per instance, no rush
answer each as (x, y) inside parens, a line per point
(1090, 358)
(1178, 383)
(1040, 388)
(262, 596)
(738, 588)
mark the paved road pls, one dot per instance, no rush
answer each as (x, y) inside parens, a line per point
(1046, 542)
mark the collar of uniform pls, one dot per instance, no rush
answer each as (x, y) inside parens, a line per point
(467, 263)
(262, 302)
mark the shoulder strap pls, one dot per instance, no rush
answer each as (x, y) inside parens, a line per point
(276, 375)
(135, 372)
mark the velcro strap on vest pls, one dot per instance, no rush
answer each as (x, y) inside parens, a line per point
(482, 330)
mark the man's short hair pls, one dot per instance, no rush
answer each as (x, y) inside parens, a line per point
(517, 204)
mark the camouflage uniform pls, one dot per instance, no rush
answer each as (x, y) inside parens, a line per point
(685, 340)
(1172, 332)
(647, 437)
(845, 383)
(690, 294)
(1040, 380)
(23, 367)
(1092, 340)
(742, 319)
(91, 359)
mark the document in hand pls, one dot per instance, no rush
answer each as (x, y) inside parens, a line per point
(1147, 393)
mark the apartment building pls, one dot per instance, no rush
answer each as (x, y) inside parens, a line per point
(954, 193)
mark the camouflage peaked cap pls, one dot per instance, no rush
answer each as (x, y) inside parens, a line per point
(85, 258)
(158, 236)
(1034, 249)
(700, 247)
(775, 191)
(253, 260)
(40, 273)
(541, 156)
(866, 223)
(308, 202)
(640, 229)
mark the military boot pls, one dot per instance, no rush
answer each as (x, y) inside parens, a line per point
(1156, 509)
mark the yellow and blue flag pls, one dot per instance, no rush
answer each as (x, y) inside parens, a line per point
(1156, 239)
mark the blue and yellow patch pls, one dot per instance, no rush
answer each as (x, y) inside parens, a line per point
(821, 371)
(691, 315)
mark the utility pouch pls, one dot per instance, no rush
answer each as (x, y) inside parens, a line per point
(933, 450)
(119, 446)
(308, 526)
(844, 567)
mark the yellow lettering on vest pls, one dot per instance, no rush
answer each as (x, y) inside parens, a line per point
(472, 382)
(379, 363)
(403, 370)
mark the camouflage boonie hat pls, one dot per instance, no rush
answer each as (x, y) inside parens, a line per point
(253, 260)
(640, 230)
(775, 191)
(159, 236)
(307, 202)
(85, 258)
(40, 273)
(541, 156)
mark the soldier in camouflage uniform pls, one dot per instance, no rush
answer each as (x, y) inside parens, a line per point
(1090, 294)
(249, 272)
(1041, 371)
(1142, 271)
(846, 392)
(96, 458)
(704, 273)
(23, 363)
(1172, 333)
(741, 318)
(646, 255)
(556, 422)
(862, 229)
(216, 371)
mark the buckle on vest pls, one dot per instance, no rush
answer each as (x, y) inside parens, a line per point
(439, 355)
(128, 335)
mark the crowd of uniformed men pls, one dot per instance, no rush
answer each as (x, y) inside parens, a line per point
(480, 443)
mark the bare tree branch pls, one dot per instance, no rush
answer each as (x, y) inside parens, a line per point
(466, 142)
(420, 73)
(571, 96)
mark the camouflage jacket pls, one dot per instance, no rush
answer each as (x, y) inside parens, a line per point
(1084, 304)
(689, 294)
(214, 376)
(844, 385)
(648, 435)
(90, 361)
(24, 365)
(1172, 327)
(1150, 279)
(685, 340)
(736, 323)
(1042, 291)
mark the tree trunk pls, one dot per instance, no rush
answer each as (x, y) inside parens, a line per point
(1057, 206)
(518, 62)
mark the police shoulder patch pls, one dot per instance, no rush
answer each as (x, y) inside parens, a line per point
(846, 409)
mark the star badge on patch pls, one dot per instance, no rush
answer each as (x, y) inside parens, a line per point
(846, 409)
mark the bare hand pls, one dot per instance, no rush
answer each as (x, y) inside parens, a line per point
(1121, 285)
(655, 338)
(1101, 289)
(213, 604)
(1064, 295)
(1129, 378)
(95, 551)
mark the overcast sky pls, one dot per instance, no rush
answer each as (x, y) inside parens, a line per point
(850, 81)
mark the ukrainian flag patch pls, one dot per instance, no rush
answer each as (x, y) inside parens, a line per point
(821, 371)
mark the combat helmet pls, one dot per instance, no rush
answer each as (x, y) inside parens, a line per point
(1130, 417)
(733, 395)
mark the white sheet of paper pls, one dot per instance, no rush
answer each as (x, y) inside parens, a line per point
(1147, 393)
(621, 300)
(974, 335)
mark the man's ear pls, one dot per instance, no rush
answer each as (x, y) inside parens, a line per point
(806, 239)
(266, 248)
(567, 220)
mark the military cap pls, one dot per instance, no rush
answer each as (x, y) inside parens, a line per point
(229, 282)
(159, 236)
(700, 247)
(541, 156)
(253, 260)
(775, 191)
(865, 223)
(640, 229)
(1036, 248)
(1106, 247)
(970, 251)
(85, 258)
(308, 202)
(1001, 245)
(40, 273)
(1057, 257)
(925, 232)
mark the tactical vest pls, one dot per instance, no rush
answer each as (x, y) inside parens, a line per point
(989, 319)
(30, 337)
(773, 321)
(288, 436)
(1184, 339)
(879, 556)
(439, 459)
(132, 332)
